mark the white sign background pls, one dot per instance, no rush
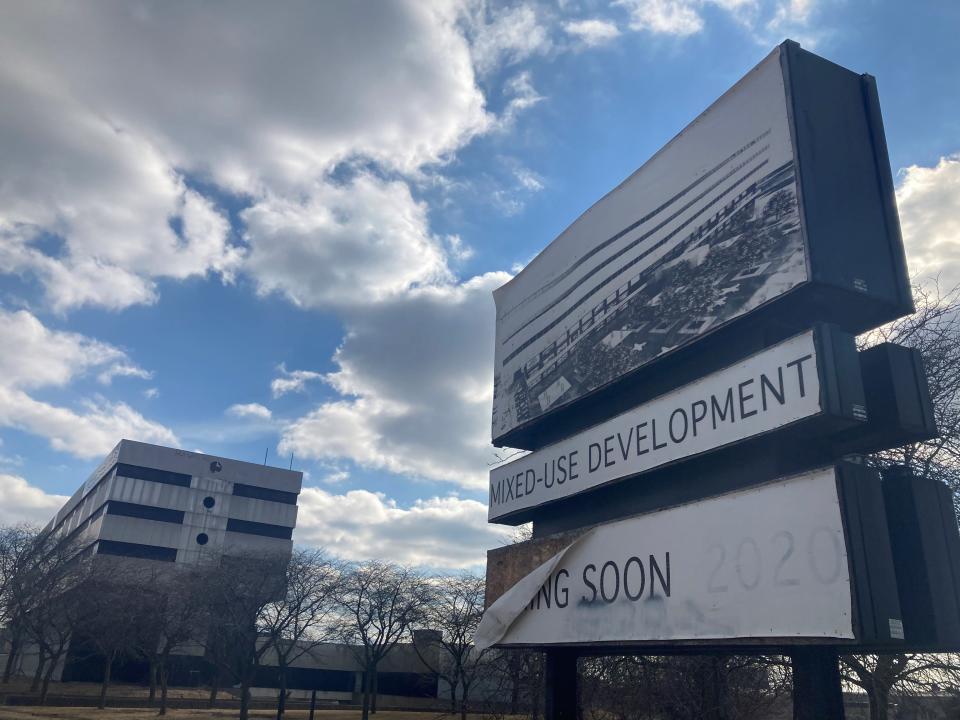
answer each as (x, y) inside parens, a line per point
(629, 235)
(767, 562)
(625, 445)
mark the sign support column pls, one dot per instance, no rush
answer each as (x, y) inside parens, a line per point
(817, 689)
(560, 684)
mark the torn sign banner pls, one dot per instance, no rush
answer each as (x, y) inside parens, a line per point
(763, 563)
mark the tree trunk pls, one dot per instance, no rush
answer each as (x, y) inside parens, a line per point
(214, 689)
(244, 700)
(282, 696)
(152, 676)
(12, 657)
(514, 685)
(879, 697)
(463, 700)
(365, 710)
(374, 690)
(38, 673)
(47, 677)
(163, 688)
(107, 667)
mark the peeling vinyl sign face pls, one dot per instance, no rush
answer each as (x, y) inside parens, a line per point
(746, 565)
(767, 391)
(706, 231)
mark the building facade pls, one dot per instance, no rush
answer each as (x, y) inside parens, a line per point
(158, 503)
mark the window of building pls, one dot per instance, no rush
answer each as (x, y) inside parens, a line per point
(146, 552)
(153, 475)
(202, 539)
(262, 493)
(256, 528)
(209, 502)
(146, 512)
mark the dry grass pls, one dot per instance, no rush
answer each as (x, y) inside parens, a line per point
(81, 689)
(72, 713)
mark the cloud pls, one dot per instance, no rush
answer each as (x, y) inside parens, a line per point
(522, 96)
(592, 32)
(767, 21)
(292, 381)
(668, 17)
(34, 357)
(356, 243)
(929, 203)
(21, 502)
(415, 384)
(103, 156)
(506, 36)
(250, 410)
(123, 370)
(88, 432)
(447, 533)
(151, 393)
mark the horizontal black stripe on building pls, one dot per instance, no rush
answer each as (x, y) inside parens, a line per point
(255, 528)
(145, 552)
(261, 493)
(166, 477)
(146, 512)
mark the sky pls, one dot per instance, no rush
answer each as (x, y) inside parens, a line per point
(249, 228)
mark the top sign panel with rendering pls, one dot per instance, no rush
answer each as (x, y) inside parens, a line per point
(705, 231)
(717, 224)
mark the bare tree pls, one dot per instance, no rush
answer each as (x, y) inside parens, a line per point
(173, 616)
(934, 330)
(238, 591)
(41, 571)
(113, 612)
(295, 623)
(379, 603)
(16, 543)
(451, 618)
(684, 688)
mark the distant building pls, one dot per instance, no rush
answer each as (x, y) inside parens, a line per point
(169, 505)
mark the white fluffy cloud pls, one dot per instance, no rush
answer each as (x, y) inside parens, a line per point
(929, 203)
(33, 357)
(290, 381)
(250, 410)
(358, 525)
(99, 152)
(21, 502)
(416, 384)
(356, 243)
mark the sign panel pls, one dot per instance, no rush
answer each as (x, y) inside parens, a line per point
(707, 230)
(764, 563)
(767, 391)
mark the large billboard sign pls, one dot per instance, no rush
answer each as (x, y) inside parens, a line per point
(745, 567)
(782, 185)
(771, 390)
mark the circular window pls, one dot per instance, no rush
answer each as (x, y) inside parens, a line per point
(215, 466)
(202, 539)
(209, 502)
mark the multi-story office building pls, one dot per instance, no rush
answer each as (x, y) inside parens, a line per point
(158, 503)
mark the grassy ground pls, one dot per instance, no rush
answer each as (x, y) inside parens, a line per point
(22, 685)
(54, 713)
